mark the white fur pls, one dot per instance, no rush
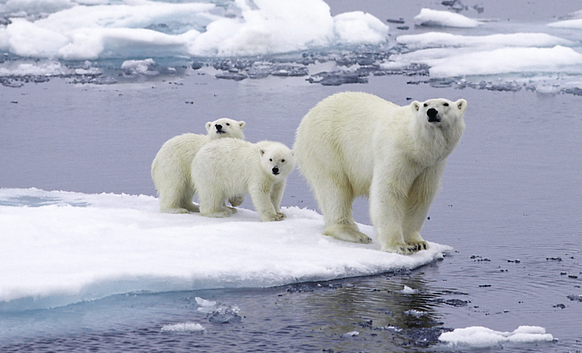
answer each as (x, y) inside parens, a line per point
(171, 166)
(356, 144)
(232, 168)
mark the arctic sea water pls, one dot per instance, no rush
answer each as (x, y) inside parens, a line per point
(73, 261)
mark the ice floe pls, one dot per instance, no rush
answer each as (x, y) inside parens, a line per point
(478, 336)
(64, 247)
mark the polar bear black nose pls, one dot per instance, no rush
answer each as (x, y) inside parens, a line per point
(218, 127)
(275, 170)
(432, 115)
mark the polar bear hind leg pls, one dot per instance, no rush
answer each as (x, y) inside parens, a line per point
(212, 205)
(335, 200)
(177, 200)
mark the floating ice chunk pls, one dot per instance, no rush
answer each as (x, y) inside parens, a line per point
(65, 247)
(185, 327)
(478, 336)
(435, 18)
(438, 39)
(351, 334)
(143, 67)
(224, 315)
(574, 23)
(415, 313)
(206, 306)
(359, 28)
(36, 7)
(497, 61)
(204, 302)
(408, 290)
(41, 68)
(27, 39)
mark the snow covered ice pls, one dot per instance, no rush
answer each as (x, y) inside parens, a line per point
(481, 337)
(74, 30)
(64, 247)
(82, 38)
(428, 17)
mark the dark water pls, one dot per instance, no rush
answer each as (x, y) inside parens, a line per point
(510, 206)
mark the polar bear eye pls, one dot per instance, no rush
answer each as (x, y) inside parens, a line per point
(446, 104)
(270, 159)
(282, 161)
(425, 105)
(227, 124)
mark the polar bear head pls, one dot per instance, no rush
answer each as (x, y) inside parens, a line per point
(225, 127)
(439, 112)
(276, 159)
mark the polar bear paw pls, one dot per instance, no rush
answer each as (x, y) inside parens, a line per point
(236, 201)
(275, 217)
(406, 249)
(417, 245)
(220, 213)
(181, 210)
(347, 233)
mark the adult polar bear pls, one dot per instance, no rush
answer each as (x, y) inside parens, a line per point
(356, 144)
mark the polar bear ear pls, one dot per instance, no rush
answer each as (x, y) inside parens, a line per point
(208, 125)
(242, 124)
(415, 106)
(262, 150)
(461, 105)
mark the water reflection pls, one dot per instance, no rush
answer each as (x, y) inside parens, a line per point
(390, 312)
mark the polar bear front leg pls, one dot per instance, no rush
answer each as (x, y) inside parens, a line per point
(420, 197)
(388, 209)
(261, 197)
(276, 197)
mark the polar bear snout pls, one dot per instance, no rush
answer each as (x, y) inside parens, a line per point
(433, 115)
(275, 170)
(219, 129)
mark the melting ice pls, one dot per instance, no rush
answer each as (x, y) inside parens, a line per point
(64, 247)
(250, 39)
(481, 337)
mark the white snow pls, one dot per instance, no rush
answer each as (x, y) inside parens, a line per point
(184, 327)
(138, 66)
(481, 337)
(408, 290)
(63, 247)
(87, 31)
(436, 18)
(573, 23)
(439, 40)
(451, 55)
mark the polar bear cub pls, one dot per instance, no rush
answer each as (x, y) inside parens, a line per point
(171, 166)
(229, 168)
(357, 144)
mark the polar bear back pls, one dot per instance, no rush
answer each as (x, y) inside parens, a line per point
(337, 124)
(177, 154)
(229, 164)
